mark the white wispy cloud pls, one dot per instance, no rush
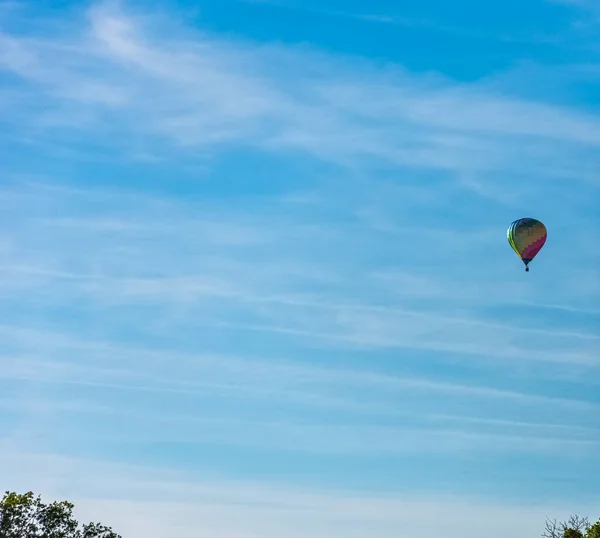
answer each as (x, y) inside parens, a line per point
(387, 315)
(409, 406)
(246, 261)
(206, 505)
(207, 91)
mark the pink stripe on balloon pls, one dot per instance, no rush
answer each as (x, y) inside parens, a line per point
(531, 250)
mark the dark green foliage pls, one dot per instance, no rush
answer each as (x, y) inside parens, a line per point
(594, 530)
(576, 527)
(26, 516)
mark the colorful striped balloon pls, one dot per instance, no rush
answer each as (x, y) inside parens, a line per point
(527, 237)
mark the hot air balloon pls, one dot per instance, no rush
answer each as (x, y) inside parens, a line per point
(527, 236)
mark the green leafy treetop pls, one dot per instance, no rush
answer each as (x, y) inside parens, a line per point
(594, 530)
(576, 527)
(25, 516)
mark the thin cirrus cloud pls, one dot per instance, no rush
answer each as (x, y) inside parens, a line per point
(207, 91)
(244, 261)
(207, 505)
(263, 263)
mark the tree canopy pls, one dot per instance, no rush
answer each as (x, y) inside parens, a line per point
(26, 516)
(575, 527)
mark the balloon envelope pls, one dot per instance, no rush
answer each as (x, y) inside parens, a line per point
(527, 236)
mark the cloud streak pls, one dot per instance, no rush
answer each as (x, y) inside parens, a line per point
(208, 92)
(271, 264)
(203, 506)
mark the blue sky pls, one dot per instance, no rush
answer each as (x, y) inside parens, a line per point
(253, 259)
